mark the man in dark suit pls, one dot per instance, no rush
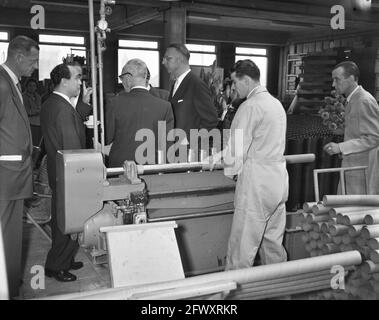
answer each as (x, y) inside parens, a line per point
(190, 97)
(62, 129)
(15, 152)
(156, 92)
(133, 110)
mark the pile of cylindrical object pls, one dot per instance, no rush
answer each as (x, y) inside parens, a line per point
(261, 282)
(345, 223)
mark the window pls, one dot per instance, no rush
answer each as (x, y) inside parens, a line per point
(201, 55)
(53, 48)
(144, 50)
(258, 56)
(4, 37)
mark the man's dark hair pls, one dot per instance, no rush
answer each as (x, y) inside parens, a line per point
(31, 80)
(61, 71)
(246, 68)
(181, 48)
(21, 44)
(349, 69)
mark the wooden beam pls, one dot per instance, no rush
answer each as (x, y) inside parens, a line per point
(20, 18)
(138, 18)
(271, 13)
(332, 35)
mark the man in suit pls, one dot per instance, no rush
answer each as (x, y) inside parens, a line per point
(15, 152)
(62, 129)
(361, 137)
(156, 92)
(190, 97)
(133, 110)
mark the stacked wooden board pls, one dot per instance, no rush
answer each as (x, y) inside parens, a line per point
(315, 81)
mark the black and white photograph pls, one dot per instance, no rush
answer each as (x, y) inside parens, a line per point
(190, 154)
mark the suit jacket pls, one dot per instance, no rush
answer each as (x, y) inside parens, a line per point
(130, 112)
(62, 129)
(360, 139)
(15, 139)
(193, 106)
(160, 93)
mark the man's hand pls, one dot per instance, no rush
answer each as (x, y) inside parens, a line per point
(86, 93)
(332, 148)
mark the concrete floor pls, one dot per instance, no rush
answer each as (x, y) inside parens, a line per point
(35, 248)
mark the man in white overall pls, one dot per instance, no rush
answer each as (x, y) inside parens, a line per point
(262, 186)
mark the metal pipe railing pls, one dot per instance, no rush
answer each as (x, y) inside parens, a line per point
(93, 73)
(205, 166)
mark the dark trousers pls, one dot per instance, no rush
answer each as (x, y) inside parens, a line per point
(11, 225)
(63, 249)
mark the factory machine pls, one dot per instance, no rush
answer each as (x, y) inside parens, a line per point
(91, 196)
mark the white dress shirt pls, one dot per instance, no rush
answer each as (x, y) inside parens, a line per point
(179, 81)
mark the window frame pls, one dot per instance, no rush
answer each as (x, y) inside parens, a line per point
(203, 52)
(79, 47)
(140, 39)
(5, 41)
(250, 46)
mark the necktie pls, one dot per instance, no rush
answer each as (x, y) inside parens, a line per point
(18, 85)
(176, 84)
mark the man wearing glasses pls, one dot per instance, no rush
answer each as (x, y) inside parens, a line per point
(15, 152)
(133, 110)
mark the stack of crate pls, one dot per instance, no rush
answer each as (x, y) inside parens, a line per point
(315, 80)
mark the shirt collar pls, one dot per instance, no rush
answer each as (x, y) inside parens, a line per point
(351, 94)
(11, 74)
(139, 87)
(64, 97)
(182, 76)
(252, 91)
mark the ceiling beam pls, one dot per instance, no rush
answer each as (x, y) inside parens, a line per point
(136, 19)
(272, 14)
(143, 3)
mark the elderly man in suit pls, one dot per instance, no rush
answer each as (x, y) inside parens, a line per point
(361, 138)
(62, 129)
(15, 152)
(259, 131)
(133, 110)
(190, 97)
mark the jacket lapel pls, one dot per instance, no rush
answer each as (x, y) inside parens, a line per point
(179, 91)
(352, 99)
(17, 101)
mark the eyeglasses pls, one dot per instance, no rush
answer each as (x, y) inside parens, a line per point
(124, 74)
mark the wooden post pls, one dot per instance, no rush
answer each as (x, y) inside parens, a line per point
(174, 32)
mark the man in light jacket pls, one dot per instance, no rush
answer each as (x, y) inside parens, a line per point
(361, 137)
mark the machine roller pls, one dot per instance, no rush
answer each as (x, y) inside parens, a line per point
(90, 196)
